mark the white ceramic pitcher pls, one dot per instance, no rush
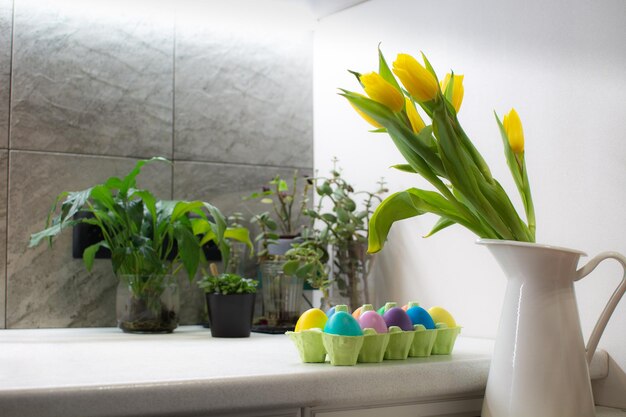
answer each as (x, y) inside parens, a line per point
(540, 366)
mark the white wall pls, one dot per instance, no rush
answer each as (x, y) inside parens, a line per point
(562, 65)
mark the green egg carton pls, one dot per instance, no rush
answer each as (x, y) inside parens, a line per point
(374, 346)
(342, 350)
(446, 336)
(423, 342)
(310, 345)
(399, 343)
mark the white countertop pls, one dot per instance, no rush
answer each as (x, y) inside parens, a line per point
(94, 372)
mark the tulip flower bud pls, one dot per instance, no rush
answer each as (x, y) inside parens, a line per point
(457, 90)
(513, 128)
(416, 121)
(378, 89)
(416, 79)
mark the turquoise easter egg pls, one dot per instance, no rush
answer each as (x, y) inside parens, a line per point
(343, 324)
(418, 315)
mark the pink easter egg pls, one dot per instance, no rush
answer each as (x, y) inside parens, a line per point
(373, 320)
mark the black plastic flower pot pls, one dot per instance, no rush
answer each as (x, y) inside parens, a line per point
(230, 315)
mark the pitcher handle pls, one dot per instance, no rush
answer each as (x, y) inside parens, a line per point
(592, 344)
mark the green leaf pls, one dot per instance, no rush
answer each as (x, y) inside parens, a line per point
(449, 88)
(102, 195)
(218, 219)
(331, 218)
(89, 254)
(441, 224)
(240, 234)
(357, 75)
(429, 67)
(385, 72)
(410, 203)
(305, 270)
(405, 168)
(290, 267)
(342, 215)
(148, 199)
(114, 183)
(76, 201)
(129, 180)
(282, 186)
(188, 248)
(182, 208)
(396, 207)
(51, 231)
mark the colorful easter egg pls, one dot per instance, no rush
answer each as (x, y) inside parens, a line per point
(418, 315)
(441, 315)
(373, 320)
(395, 316)
(330, 312)
(356, 313)
(343, 324)
(311, 319)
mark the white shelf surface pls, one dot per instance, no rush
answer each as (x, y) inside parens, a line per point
(102, 371)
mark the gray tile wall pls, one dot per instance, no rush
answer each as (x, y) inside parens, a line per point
(85, 92)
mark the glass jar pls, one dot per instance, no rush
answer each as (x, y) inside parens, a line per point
(147, 303)
(282, 295)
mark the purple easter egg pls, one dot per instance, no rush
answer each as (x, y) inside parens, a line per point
(397, 317)
(372, 320)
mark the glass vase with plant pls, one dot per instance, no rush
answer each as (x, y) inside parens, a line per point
(441, 153)
(342, 218)
(150, 240)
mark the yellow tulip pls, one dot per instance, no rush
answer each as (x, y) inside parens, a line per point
(515, 133)
(457, 90)
(378, 89)
(417, 123)
(416, 79)
(366, 117)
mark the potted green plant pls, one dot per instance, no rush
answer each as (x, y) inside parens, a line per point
(230, 303)
(343, 229)
(150, 240)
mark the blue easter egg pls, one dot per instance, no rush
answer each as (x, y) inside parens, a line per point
(419, 315)
(330, 312)
(343, 324)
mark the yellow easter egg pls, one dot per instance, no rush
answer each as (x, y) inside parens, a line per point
(310, 319)
(441, 315)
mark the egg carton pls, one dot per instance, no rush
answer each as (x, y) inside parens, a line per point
(345, 344)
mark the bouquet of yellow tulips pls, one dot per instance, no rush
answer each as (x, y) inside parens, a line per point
(466, 192)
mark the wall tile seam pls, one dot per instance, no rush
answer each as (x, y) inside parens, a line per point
(243, 164)
(8, 162)
(174, 160)
(63, 153)
(173, 103)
